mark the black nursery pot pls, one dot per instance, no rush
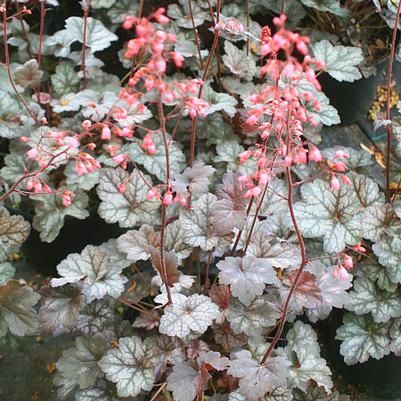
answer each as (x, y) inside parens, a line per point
(380, 379)
(73, 237)
(352, 99)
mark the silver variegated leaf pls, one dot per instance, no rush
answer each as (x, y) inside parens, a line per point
(193, 314)
(128, 208)
(96, 270)
(334, 216)
(367, 297)
(78, 366)
(362, 338)
(131, 366)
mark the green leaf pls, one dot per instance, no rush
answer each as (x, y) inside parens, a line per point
(131, 366)
(97, 270)
(341, 62)
(65, 79)
(17, 314)
(156, 164)
(78, 365)
(334, 216)
(330, 6)
(98, 37)
(303, 351)
(14, 230)
(367, 297)
(188, 315)
(50, 213)
(129, 208)
(362, 338)
(238, 62)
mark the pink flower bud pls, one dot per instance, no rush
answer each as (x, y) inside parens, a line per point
(121, 187)
(32, 153)
(339, 166)
(106, 134)
(341, 273)
(314, 154)
(168, 198)
(334, 183)
(67, 198)
(152, 194)
(348, 262)
(86, 124)
(181, 199)
(345, 180)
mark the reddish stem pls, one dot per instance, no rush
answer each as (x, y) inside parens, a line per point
(42, 20)
(83, 66)
(301, 247)
(388, 114)
(164, 207)
(8, 64)
(197, 41)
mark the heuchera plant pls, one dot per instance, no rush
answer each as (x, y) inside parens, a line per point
(240, 233)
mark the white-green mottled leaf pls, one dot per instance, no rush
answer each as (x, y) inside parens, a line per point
(198, 225)
(9, 109)
(7, 272)
(131, 366)
(303, 351)
(367, 297)
(218, 101)
(334, 216)
(187, 315)
(238, 62)
(129, 208)
(156, 164)
(247, 276)
(252, 319)
(65, 79)
(362, 338)
(50, 213)
(96, 270)
(333, 290)
(195, 178)
(78, 367)
(341, 62)
(255, 379)
(388, 251)
(98, 37)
